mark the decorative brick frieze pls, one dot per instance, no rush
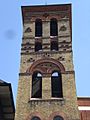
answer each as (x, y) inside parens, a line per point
(42, 52)
(57, 101)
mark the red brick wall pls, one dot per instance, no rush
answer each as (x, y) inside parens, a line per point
(84, 114)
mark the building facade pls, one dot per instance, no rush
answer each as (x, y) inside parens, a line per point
(46, 88)
(84, 107)
(7, 108)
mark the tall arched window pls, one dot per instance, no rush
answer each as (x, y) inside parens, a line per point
(53, 27)
(36, 85)
(38, 28)
(35, 118)
(58, 118)
(56, 84)
(54, 45)
(38, 46)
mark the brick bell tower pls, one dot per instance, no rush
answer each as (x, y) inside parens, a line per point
(46, 88)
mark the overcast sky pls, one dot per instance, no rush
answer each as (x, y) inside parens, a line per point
(11, 37)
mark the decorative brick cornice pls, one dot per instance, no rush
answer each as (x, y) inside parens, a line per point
(46, 8)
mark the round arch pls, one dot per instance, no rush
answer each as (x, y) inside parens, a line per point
(58, 114)
(46, 66)
(34, 115)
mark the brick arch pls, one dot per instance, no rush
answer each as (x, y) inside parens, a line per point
(57, 113)
(38, 65)
(37, 114)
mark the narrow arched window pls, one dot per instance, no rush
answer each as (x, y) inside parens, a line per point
(35, 118)
(58, 118)
(53, 27)
(56, 84)
(54, 45)
(38, 28)
(38, 46)
(37, 85)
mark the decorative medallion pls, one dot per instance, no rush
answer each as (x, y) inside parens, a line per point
(63, 28)
(28, 30)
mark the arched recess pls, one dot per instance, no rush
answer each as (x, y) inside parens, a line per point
(46, 66)
(58, 114)
(34, 115)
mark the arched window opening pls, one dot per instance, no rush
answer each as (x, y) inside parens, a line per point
(35, 118)
(58, 118)
(56, 84)
(38, 46)
(53, 27)
(54, 45)
(37, 85)
(38, 28)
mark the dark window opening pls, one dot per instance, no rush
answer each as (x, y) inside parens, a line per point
(35, 118)
(38, 46)
(56, 83)
(53, 27)
(54, 45)
(58, 118)
(38, 28)
(37, 85)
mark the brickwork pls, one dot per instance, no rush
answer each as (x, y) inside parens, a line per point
(46, 61)
(84, 107)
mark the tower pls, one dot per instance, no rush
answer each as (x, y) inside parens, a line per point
(46, 88)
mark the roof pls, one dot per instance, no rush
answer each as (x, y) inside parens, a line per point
(1, 81)
(83, 101)
(47, 8)
(6, 101)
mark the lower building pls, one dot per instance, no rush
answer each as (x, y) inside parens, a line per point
(7, 109)
(84, 107)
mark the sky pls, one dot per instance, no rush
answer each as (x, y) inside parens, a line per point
(11, 37)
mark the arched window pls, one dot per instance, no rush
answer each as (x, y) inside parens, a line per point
(38, 28)
(35, 118)
(38, 46)
(56, 84)
(54, 45)
(37, 85)
(58, 118)
(53, 27)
